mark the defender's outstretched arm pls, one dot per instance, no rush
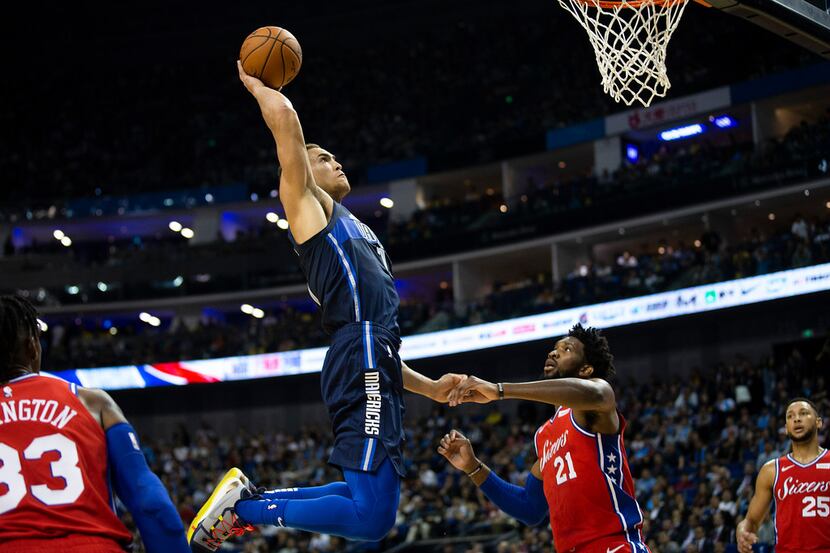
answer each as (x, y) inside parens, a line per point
(436, 390)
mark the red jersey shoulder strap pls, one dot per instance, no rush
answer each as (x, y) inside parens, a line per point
(541, 429)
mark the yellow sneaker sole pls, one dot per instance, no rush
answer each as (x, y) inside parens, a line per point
(230, 475)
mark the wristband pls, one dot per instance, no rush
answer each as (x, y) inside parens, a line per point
(476, 471)
(501, 390)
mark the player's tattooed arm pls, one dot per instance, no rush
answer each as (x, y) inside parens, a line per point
(436, 390)
(306, 205)
(746, 533)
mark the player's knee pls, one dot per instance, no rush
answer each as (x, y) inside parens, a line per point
(375, 529)
(377, 521)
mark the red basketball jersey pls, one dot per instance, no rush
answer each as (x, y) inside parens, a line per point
(53, 479)
(802, 505)
(589, 488)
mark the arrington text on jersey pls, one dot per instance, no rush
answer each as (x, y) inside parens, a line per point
(47, 411)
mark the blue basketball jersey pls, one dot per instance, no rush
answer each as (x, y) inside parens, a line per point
(349, 274)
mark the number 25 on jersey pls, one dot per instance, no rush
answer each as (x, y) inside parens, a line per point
(816, 507)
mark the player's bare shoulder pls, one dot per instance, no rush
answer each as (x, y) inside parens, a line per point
(101, 406)
(766, 476)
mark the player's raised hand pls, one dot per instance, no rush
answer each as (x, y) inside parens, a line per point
(253, 84)
(446, 384)
(473, 390)
(746, 540)
(457, 449)
(271, 102)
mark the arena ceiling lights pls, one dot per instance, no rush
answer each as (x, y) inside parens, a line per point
(720, 122)
(177, 227)
(249, 309)
(681, 132)
(61, 237)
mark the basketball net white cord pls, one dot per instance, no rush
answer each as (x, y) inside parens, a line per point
(630, 41)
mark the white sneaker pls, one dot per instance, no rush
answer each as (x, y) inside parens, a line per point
(216, 520)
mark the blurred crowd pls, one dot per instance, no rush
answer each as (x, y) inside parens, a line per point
(261, 256)
(694, 444)
(672, 176)
(76, 343)
(150, 111)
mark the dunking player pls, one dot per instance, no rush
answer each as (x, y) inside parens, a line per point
(59, 445)
(799, 483)
(581, 478)
(363, 378)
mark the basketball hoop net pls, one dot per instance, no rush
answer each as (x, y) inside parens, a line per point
(630, 38)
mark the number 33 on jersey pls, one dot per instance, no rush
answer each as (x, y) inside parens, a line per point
(53, 466)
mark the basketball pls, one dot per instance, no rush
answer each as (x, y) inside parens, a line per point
(273, 55)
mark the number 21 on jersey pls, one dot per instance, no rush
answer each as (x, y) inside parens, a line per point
(559, 463)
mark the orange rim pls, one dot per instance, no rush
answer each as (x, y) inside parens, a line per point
(634, 4)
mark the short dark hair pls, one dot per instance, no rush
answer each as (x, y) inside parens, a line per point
(18, 321)
(596, 350)
(805, 400)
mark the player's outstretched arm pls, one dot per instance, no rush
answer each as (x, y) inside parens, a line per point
(141, 491)
(746, 533)
(436, 390)
(527, 504)
(306, 205)
(580, 394)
